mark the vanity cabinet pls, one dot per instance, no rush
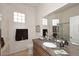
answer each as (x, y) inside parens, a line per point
(38, 50)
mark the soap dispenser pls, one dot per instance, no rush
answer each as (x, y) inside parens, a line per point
(66, 42)
(61, 44)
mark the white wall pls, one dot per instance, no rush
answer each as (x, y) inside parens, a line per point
(4, 28)
(9, 26)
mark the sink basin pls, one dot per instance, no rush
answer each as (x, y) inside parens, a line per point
(49, 44)
(60, 52)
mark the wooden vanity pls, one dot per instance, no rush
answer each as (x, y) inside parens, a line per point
(40, 50)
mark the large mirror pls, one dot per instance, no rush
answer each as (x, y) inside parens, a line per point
(62, 30)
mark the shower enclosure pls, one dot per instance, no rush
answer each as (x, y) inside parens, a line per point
(63, 31)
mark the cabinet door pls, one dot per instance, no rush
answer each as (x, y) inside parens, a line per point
(39, 51)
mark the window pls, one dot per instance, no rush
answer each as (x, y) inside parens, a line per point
(19, 17)
(44, 21)
(55, 22)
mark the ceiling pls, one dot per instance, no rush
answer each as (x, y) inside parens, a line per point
(32, 4)
(27, 4)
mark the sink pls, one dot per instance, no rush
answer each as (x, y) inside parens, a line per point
(49, 44)
(60, 52)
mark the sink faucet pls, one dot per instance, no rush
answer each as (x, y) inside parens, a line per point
(46, 37)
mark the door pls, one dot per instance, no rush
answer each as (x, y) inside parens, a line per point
(74, 29)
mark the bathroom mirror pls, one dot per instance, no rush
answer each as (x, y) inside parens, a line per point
(67, 16)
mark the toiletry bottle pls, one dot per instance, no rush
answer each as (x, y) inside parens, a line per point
(66, 42)
(61, 44)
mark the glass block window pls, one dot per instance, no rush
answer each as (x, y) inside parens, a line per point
(44, 21)
(19, 17)
(55, 22)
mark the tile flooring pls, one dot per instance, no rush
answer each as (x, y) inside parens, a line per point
(22, 53)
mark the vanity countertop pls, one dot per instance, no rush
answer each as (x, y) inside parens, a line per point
(72, 50)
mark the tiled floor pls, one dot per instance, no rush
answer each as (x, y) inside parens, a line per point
(22, 53)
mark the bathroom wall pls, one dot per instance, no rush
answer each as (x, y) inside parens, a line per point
(9, 27)
(4, 27)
